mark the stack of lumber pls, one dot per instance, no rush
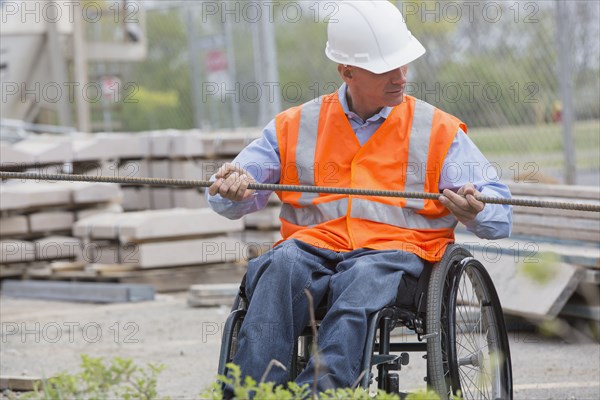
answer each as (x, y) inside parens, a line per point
(167, 248)
(560, 247)
(37, 218)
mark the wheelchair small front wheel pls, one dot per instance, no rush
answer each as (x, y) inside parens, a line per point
(468, 353)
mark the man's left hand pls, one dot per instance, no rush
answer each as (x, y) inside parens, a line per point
(462, 204)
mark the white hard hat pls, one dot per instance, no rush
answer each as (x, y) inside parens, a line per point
(371, 35)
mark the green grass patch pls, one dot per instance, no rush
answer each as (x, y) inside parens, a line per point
(535, 139)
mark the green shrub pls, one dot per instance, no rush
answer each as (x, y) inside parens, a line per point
(99, 380)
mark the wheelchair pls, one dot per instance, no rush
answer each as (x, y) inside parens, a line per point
(455, 312)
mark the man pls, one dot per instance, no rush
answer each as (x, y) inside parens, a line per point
(353, 249)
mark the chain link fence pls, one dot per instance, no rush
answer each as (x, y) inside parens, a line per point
(513, 71)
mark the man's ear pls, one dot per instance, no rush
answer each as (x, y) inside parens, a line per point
(345, 72)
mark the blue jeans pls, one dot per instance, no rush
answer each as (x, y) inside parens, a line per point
(358, 284)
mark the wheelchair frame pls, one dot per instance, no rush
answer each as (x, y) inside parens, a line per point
(439, 293)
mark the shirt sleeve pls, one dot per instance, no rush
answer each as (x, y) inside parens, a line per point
(465, 163)
(262, 161)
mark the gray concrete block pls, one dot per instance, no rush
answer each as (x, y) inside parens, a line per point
(228, 143)
(160, 198)
(102, 226)
(16, 195)
(46, 150)
(220, 249)
(189, 144)
(87, 192)
(51, 221)
(155, 224)
(160, 169)
(175, 223)
(57, 247)
(161, 143)
(22, 195)
(116, 168)
(14, 225)
(112, 208)
(78, 291)
(136, 198)
(12, 156)
(102, 146)
(189, 198)
(12, 251)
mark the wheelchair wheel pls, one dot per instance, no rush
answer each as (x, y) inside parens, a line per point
(467, 347)
(231, 331)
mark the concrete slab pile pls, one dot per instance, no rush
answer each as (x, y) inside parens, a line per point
(37, 218)
(189, 240)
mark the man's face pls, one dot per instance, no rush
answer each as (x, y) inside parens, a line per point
(375, 91)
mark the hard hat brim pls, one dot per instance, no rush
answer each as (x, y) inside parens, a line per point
(403, 57)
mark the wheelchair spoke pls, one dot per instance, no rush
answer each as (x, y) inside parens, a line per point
(475, 340)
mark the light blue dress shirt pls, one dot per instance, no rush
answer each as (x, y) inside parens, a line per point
(464, 164)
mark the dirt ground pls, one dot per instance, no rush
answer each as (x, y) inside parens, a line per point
(43, 337)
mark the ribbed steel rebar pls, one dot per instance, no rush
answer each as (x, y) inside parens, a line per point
(293, 188)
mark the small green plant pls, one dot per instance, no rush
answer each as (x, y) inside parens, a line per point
(119, 378)
(423, 395)
(243, 389)
(540, 270)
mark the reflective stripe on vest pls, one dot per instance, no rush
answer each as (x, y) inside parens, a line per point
(420, 134)
(314, 214)
(397, 216)
(306, 147)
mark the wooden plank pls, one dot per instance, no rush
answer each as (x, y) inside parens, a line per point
(19, 383)
(108, 269)
(12, 271)
(78, 291)
(180, 278)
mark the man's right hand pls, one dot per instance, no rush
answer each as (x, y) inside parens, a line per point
(232, 183)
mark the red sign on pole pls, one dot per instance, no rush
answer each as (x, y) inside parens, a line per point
(215, 61)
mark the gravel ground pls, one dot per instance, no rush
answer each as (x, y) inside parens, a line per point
(42, 338)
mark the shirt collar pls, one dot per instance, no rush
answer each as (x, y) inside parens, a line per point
(384, 113)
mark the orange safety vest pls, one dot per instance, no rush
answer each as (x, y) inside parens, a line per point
(319, 148)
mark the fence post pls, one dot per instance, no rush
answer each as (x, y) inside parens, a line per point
(566, 94)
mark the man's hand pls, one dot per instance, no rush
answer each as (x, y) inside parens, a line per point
(462, 204)
(232, 183)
